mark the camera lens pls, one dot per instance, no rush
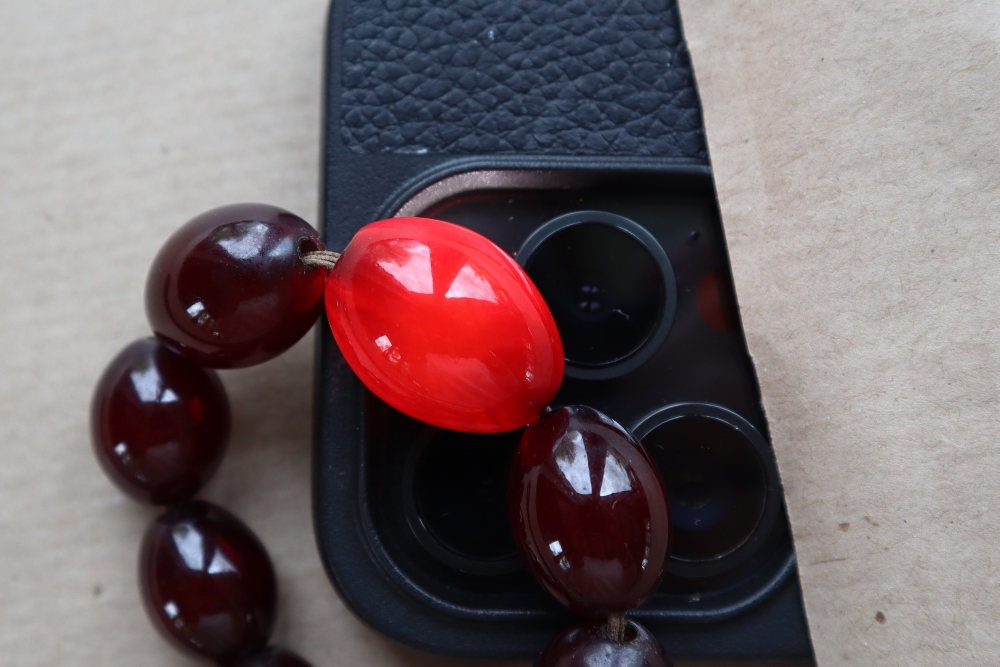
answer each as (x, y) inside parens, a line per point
(458, 487)
(610, 288)
(720, 490)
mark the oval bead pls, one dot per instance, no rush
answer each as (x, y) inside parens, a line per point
(272, 656)
(591, 643)
(159, 424)
(229, 288)
(444, 326)
(207, 582)
(589, 511)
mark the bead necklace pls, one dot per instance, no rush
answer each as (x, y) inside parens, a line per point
(436, 321)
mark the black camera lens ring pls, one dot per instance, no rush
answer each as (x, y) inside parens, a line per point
(435, 544)
(773, 495)
(652, 343)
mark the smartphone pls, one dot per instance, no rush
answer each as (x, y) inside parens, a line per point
(570, 134)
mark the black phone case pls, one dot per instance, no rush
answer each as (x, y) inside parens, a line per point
(580, 104)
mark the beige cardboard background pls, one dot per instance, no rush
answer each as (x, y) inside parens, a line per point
(855, 150)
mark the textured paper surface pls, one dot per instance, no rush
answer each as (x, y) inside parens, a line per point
(855, 147)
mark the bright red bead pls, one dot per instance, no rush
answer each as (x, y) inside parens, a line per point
(444, 326)
(229, 288)
(207, 582)
(589, 511)
(159, 424)
(591, 644)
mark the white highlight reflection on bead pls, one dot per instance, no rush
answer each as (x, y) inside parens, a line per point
(189, 545)
(414, 272)
(571, 458)
(470, 285)
(220, 564)
(616, 479)
(245, 241)
(146, 383)
(555, 548)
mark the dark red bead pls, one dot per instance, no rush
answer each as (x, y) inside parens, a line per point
(159, 424)
(444, 326)
(591, 644)
(589, 511)
(271, 656)
(229, 288)
(207, 582)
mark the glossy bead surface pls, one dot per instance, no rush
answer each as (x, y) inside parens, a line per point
(589, 511)
(228, 289)
(271, 656)
(590, 644)
(207, 583)
(444, 326)
(159, 424)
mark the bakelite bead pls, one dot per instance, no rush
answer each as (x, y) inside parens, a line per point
(588, 510)
(229, 289)
(590, 644)
(207, 583)
(444, 326)
(271, 656)
(159, 424)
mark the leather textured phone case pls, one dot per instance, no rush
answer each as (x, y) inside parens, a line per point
(481, 78)
(419, 91)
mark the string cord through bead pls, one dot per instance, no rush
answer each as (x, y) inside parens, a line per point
(325, 258)
(616, 627)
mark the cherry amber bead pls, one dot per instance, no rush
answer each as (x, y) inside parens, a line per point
(591, 644)
(207, 582)
(271, 656)
(229, 288)
(589, 511)
(159, 424)
(444, 326)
